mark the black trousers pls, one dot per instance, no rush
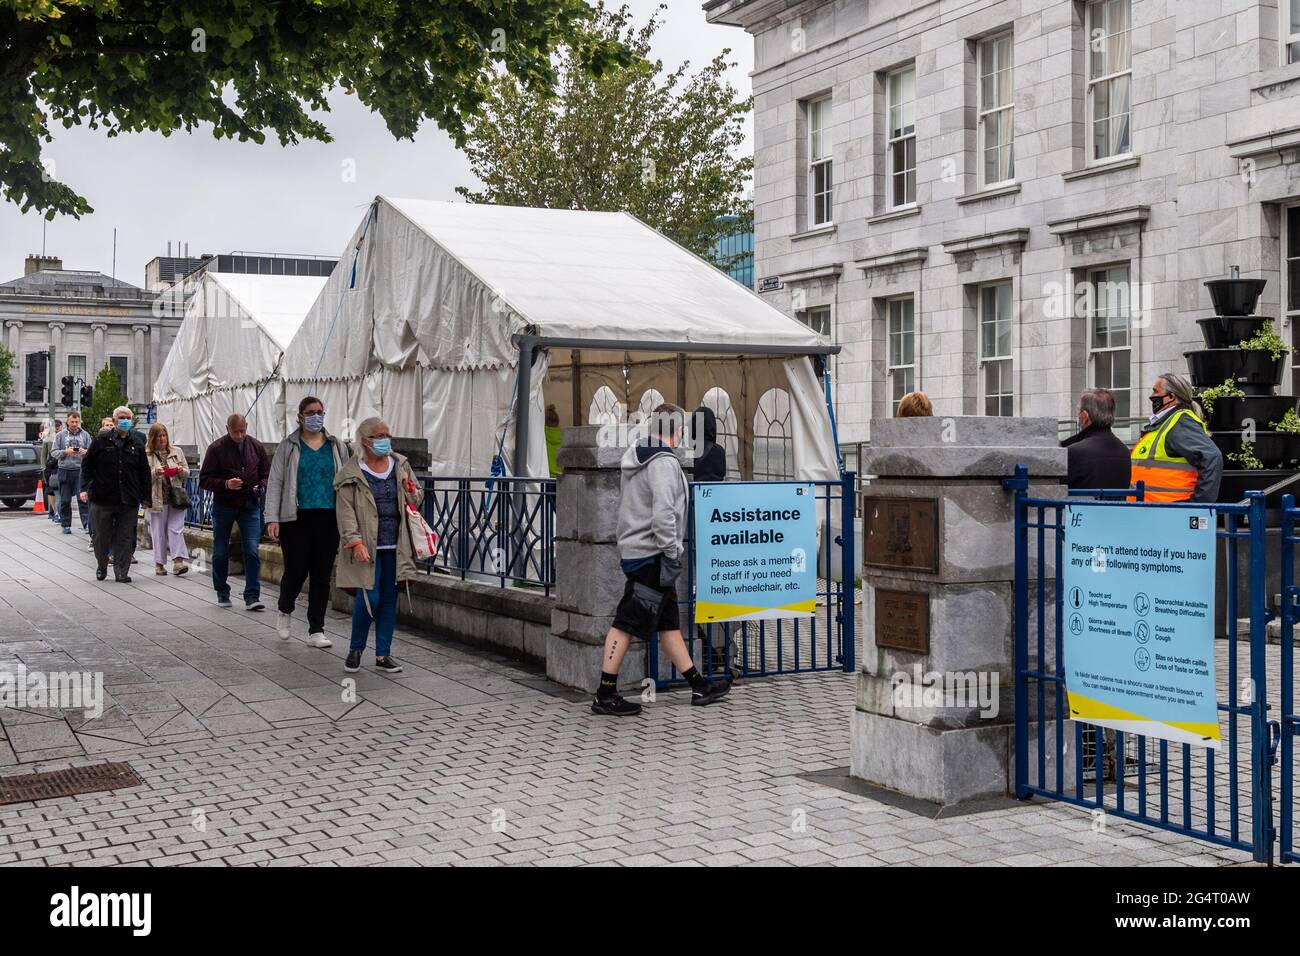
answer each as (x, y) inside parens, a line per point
(309, 545)
(112, 529)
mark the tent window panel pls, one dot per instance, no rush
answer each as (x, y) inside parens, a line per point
(773, 437)
(605, 408)
(651, 399)
(719, 401)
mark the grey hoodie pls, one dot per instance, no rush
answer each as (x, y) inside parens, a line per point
(655, 505)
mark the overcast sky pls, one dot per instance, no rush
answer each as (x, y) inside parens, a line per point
(221, 196)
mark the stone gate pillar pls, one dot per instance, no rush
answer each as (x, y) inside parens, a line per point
(588, 577)
(938, 572)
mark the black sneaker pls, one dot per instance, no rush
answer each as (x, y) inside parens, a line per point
(124, 579)
(101, 573)
(386, 665)
(615, 706)
(353, 663)
(712, 692)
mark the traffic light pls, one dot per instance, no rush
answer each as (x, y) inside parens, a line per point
(87, 394)
(68, 383)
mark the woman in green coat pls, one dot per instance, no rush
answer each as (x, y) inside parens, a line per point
(376, 550)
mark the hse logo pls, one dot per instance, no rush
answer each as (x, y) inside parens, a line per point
(76, 909)
(1198, 522)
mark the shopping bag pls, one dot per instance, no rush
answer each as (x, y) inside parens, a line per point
(424, 539)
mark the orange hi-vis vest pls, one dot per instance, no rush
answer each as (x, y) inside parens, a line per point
(1167, 477)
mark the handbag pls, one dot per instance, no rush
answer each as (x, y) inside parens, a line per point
(424, 540)
(178, 496)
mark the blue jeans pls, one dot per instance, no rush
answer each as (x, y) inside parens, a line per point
(383, 598)
(69, 489)
(249, 518)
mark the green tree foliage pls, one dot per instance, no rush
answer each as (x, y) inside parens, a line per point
(248, 68)
(7, 365)
(662, 146)
(108, 395)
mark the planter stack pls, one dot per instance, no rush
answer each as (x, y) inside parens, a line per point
(1255, 372)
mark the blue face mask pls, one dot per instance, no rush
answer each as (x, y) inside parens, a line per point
(124, 424)
(382, 446)
(313, 423)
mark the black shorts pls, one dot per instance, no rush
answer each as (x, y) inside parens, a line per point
(646, 607)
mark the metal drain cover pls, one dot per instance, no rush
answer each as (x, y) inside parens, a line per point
(25, 787)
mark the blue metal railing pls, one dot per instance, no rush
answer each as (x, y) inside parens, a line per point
(497, 530)
(767, 648)
(1181, 792)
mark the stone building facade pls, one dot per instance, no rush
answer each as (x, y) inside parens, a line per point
(1002, 202)
(92, 320)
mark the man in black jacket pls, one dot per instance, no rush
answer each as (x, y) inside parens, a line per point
(235, 470)
(115, 474)
(710, 458)
(1096, 458)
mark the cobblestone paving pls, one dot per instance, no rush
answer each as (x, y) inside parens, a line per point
(250, 755)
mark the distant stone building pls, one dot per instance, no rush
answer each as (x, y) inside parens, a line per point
(92, 320)
(1002, 202)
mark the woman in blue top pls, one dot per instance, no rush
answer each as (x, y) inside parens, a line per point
(300, 515)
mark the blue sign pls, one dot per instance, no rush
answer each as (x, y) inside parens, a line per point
(1137, 591)
(755, 550)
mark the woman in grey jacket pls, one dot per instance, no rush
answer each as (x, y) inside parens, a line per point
(300, 514)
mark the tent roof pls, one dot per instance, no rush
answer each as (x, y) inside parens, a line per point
(278, 304)
(600, 275)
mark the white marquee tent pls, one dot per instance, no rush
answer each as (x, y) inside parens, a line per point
(234, 333)
(425, 318)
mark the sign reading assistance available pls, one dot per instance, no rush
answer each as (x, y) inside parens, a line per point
(755, 551)
(1138, 620)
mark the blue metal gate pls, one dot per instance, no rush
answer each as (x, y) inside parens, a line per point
(770, 648)
(1223, 797)
(1289, 721)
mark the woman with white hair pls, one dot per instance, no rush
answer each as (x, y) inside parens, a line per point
(376, 551)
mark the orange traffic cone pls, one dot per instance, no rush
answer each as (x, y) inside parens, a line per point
(40, 498)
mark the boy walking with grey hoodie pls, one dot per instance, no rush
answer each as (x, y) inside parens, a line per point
(652, 517)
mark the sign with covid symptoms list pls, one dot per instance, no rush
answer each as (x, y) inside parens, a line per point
(755, 550)
(1137, 589)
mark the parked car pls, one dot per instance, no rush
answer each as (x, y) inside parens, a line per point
(20, 470)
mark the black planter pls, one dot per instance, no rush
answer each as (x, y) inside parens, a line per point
(1228, 331)
(1254, 371)
(1235, 296)
(1231, 414)
(1273, 449)
(1236, 483)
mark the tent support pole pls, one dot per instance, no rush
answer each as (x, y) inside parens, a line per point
(523, 405)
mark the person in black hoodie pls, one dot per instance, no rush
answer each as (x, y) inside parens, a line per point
(711, 458)
(1095, 457)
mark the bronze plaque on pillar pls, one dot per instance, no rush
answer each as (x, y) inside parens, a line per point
(903, 620)
(901, 533)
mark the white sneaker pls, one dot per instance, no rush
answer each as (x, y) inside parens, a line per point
(318, 639)
(282, 625)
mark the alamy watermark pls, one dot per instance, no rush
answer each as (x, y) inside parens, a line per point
(973, 690)
(59, 690)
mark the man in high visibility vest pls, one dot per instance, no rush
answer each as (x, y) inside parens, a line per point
(1175, 456)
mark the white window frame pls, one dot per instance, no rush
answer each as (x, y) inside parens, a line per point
(821, 206)
(806, 317)
(85, 367)
(124, 385)
(904, 370)
(901, 140)
(1290, 317)
(1094, 82)
(1009, 391)
(985, 48)
(1095, 308)
(1289, 17)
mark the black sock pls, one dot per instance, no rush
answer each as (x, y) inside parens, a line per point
(608, 685)
(697, 680)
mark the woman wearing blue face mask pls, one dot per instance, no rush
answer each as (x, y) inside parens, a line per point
(300, 514)
(377, 551)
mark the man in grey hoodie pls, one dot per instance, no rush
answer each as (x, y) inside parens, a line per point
(652, 516)
(69, 450)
